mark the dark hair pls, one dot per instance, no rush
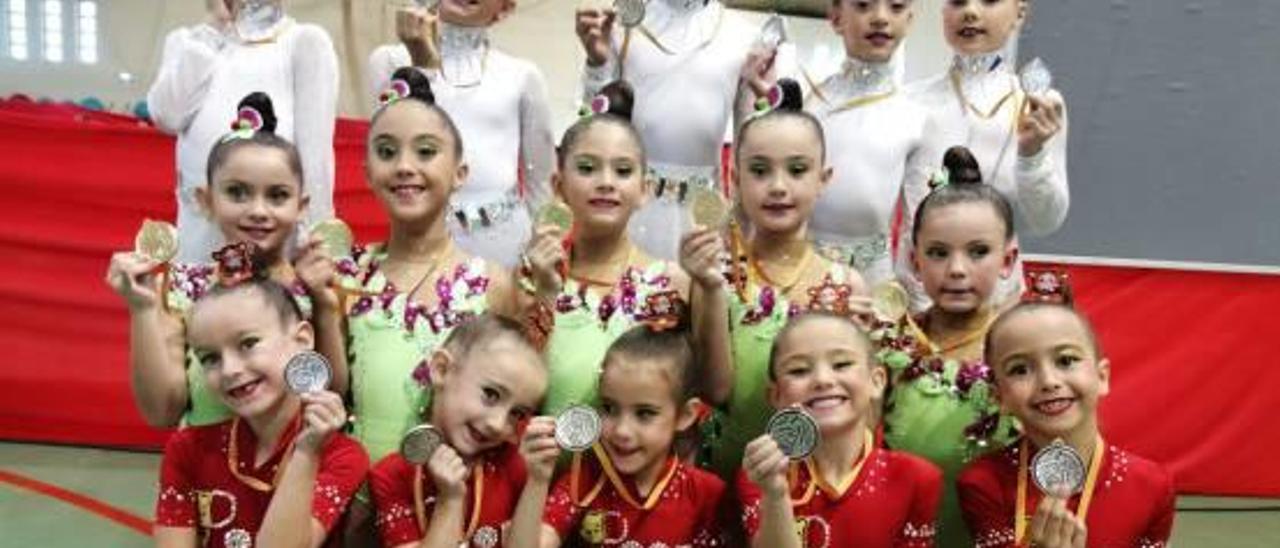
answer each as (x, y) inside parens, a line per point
(264, 136)
(420, 90)
(483, 331)
(1028, 307)
(790, 105)
(621, 101)
(276, 296)
(801, 319)
(672, 348)
(964, 186)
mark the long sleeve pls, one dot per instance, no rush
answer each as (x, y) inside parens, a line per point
(595, 78)
(187, 66)
(537, 146)
(315, 77)
(1043, 195)
(921, 164)
(383, 62)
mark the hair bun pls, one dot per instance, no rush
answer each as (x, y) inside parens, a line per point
(261, 102)
(962, 166)
(419, 84)
(622, 98)
(792, 96)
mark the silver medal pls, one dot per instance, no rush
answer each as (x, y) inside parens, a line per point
(1058, 466)
(307, 371)
(1036, 78)
(577, 428)
(774, 31)
(630, 12)
(795, 432)
(419, 443)
(256, 20)
(237, 538)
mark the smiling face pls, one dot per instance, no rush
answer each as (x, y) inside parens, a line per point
(641, 413)
(480, 400)
(871, 29)
(824, 365)
(780, 172)
(474, 13)
(602, 178)
(1047, 371)
(981, 26)
(242, 346)
(413, 163)
(961, 251)
(255, 196)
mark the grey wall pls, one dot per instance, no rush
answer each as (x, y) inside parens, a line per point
(1175, 126)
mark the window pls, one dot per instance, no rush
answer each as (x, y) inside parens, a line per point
(16, 24)
(64, 29)
(87, 32)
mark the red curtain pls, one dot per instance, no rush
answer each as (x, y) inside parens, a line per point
(1194, 382)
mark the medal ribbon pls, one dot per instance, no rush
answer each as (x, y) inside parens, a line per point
(1020, 516)
(816, 481)
(477, 487)
(624, 491)
(233, 458)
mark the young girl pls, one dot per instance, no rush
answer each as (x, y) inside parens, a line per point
(779, 172)
(611, 285)
(1051, 375)
(255, 195)
(694, 64)
(849, 492)
(939, 406)
(486, 380)
(500, 105)
(1020, 140)
(206, 68)
(635, 490)
(406, 295)
(219, 482)
(879, 133)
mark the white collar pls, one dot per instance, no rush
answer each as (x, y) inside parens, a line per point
(683, 6)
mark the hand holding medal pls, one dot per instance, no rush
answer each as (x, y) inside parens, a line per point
(308, 372)
(795, 431)
(577, 428)
(1042, 117)
(132, 275)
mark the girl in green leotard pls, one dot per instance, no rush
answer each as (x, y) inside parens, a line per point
(604, 284)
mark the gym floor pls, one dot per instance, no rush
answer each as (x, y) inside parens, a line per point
(59, 496)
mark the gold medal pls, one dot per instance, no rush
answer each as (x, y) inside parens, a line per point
(556, 213)
(156, 241)
(336, 235)
(889, 301)
(710, 210)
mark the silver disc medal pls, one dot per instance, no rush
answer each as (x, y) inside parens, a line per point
(630, 12)
(419, 443)
(307, 371)
(577, 428)
(1035, 78)
(1056, 466)
(795, 432)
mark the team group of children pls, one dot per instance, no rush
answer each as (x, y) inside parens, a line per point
(477, 318)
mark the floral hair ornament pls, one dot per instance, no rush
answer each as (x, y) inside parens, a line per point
(598, 105)
(234, 263)
(396, 90)
(1048, 285)
(939, 179)
(770, 101)
(662, 310)
(248, 121)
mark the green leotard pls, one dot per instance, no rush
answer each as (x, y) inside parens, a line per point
(586, 325)
(389, 338)
(940, 408)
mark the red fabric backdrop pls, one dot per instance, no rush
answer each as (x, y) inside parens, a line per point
(1195, 383)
